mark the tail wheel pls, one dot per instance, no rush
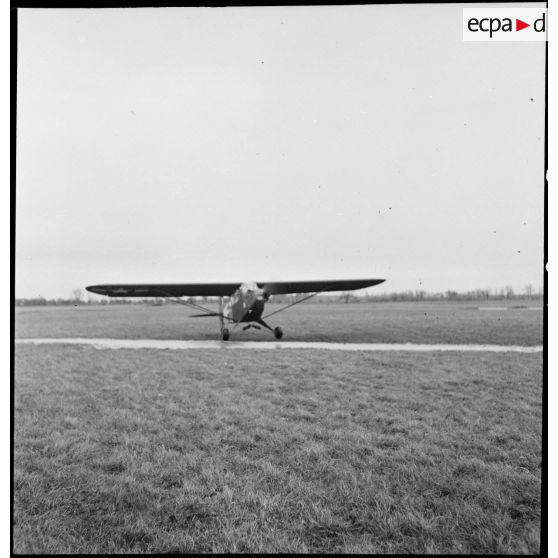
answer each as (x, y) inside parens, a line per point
(278, 332)
(225, 334)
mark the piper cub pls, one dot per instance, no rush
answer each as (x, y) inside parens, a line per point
(239, 303)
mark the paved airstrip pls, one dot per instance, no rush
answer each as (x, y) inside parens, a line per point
(175, 344)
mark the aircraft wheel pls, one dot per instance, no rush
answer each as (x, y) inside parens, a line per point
(278, 332)
(225, 333)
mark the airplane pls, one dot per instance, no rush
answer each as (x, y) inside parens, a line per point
(246, 301)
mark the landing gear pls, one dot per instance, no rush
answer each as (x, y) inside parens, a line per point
(277, 332)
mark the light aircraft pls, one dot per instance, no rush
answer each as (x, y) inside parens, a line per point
(246, 301)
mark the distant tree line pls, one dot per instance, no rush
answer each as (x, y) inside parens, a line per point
(80, 298)
(505, 293)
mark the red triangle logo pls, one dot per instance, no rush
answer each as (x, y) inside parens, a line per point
(519, 25)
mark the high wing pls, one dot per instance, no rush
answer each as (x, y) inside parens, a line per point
(165, 289)
(288, 287)
(227, 289)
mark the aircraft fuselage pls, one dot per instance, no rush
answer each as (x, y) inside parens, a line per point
(246, 304)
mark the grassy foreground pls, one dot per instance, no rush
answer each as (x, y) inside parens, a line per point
(293, 451)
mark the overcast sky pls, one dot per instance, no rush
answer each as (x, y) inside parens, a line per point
(196, 144)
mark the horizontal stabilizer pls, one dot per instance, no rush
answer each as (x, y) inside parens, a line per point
(212, 315)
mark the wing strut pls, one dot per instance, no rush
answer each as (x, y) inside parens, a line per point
(293, 303)
(196, 306)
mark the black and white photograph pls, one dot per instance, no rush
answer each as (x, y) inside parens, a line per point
(279, 279)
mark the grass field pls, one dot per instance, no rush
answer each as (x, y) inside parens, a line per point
(414, 322)
(283, 451)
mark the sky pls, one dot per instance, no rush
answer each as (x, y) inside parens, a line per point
(276, 143)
